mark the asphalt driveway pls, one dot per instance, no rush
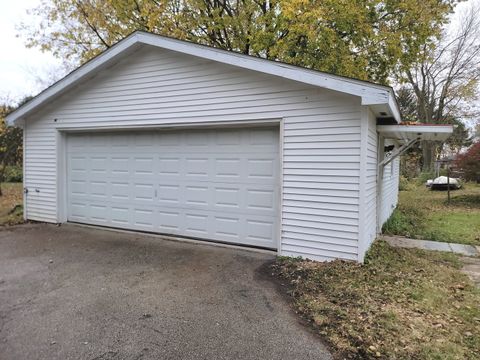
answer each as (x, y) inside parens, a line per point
(73, 292)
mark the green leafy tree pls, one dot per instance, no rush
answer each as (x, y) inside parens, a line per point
(366, 39)
(11, 139)
(460, 139)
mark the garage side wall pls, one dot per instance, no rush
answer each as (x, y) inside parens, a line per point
(369, 182)
(321, 173)
(155, 87)
(389, 190)
(40, 178)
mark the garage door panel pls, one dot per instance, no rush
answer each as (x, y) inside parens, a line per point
(144, 140)
(227, 227)
(78, 163)
(99, 163)
(228, 138)
(143, 192)
(197, 223)
(99, 212)
(263, 136)
(212, 184)
(120, 190)
(258, 229)
(79, 187)
(98, 190)
(78, 210)
(169, 194)
(197, 195)
(143, 167)
(119, 166)
(120, 215)
(228, 168)
(169, 167)
(170, 221)
(226, 198)
(197, 139)
(121, 141)
(261, 199)
(144, 217)
(169, 140)
(196, 167)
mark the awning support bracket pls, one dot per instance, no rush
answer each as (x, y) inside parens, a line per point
(399, 152)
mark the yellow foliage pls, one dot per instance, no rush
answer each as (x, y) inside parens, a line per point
(366, 39)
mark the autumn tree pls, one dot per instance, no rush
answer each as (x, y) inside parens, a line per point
(10, 143)
(462, 136)
(469, 163)
(366, 39)
(443, 82)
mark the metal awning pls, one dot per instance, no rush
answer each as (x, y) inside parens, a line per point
(408, 135)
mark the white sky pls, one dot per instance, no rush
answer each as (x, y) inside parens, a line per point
(20, 66)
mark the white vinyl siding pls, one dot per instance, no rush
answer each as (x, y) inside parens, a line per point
(321, 155)
(39, 172)
(155, 87)
(371, 182)
(389, 190)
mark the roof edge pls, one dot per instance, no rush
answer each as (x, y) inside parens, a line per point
(72, 78)
(370, 93)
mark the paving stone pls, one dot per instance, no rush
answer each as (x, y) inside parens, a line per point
(468, 250)
(462, 249)
(471, 267)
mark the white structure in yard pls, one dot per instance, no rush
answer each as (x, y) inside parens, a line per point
(166, 136)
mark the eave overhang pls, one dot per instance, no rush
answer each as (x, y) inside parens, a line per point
(381, 99)
(406, 133)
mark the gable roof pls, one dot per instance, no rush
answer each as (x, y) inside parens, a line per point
(380, 98)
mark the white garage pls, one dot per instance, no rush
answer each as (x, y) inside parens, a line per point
(214, 184)
(165, 136)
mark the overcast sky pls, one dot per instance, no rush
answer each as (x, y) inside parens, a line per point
(20, 66)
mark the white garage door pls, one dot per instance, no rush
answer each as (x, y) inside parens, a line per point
(213, 184)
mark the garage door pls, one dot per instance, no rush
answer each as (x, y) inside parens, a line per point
(213, 184)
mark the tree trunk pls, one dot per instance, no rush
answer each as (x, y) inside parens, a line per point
(427, 155)
(2, 177)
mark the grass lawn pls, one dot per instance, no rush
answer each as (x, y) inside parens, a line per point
(11, 211)
(401, 304)
(425, 214)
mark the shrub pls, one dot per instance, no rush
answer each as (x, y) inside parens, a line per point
(404, 184)
(13, 174)
(424, 176)
(469, 163)
(405, 220)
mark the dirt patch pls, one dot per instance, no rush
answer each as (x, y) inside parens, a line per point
(11, 204)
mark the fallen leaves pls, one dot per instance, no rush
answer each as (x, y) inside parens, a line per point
(402, 304)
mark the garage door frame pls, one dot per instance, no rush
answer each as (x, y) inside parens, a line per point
(61, 149)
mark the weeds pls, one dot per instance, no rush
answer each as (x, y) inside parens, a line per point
(401, 304)
(425, 214)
